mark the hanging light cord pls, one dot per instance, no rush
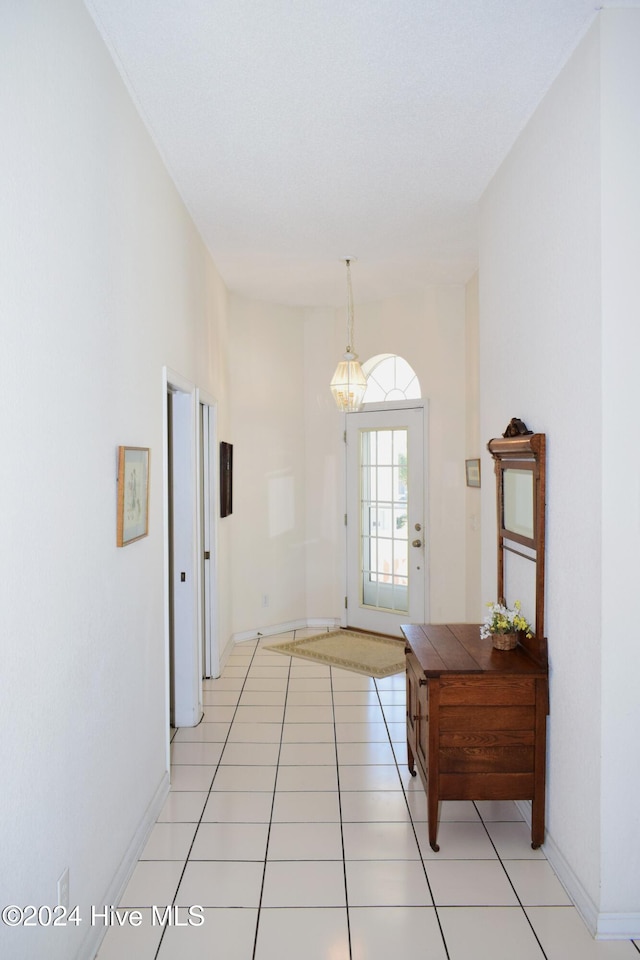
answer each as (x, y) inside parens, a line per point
(349, 309)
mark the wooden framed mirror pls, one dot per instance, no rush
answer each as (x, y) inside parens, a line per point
(520, 468)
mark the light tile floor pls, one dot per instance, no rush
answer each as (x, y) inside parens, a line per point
(294, 823)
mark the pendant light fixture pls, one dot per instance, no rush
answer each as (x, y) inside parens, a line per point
(349, 382)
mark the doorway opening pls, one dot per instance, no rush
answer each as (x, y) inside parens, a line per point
(209, 489)
(386, 546)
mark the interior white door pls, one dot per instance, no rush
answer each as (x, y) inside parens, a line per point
(186, 683)
(386, 560)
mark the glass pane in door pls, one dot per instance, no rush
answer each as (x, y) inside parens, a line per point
(383, 519)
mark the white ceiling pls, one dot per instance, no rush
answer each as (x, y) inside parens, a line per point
(301, 132)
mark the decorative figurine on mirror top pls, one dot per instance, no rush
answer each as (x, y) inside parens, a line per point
(517, 428)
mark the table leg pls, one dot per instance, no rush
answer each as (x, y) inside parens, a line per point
(432, 816)
(411, 763)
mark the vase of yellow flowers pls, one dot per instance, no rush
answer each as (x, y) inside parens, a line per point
(503, 625)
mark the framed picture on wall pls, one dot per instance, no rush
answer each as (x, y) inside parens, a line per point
(133, 494)
(226, 479)
(473, 472)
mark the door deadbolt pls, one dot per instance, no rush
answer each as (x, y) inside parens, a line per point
(418, 527)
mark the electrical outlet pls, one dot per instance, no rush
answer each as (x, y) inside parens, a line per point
(63, 889)
(265, 599)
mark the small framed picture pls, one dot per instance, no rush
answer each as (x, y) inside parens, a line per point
(133, 494)
(226, 479)
(473, 472)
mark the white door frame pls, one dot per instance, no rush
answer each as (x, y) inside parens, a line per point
(424, 534)
(187, 681)
(208, 474)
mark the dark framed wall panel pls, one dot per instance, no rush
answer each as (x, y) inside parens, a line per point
(226, 479)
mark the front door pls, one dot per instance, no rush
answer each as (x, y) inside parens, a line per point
(386, 566)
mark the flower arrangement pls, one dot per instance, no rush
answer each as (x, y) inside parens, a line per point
(501, 620)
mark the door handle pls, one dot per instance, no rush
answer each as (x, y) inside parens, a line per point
(416, 543)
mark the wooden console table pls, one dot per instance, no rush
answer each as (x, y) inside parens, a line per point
(476, 720)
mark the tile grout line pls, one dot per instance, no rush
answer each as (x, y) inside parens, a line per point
(204, 807)
(344, 859)
(415, 832)
(526, 916)
(273, 802)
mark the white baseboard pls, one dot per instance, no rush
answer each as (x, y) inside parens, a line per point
(601, 926)
(618, 926)
(276, 628)
(95, 934)
(224, 656)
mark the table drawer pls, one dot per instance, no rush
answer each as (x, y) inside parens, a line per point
(488, 691)
(480, 719)
(486, 759)
(486, 786)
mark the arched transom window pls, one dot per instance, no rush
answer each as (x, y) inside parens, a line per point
(390, 378)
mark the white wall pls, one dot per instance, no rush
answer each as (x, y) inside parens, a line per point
(557, 333)
(324, 467)
(104, 280)
(268, 428)
(620, 154)
(474, 444)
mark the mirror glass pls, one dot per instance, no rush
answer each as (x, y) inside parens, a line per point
(520, 584)
(517, 499)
